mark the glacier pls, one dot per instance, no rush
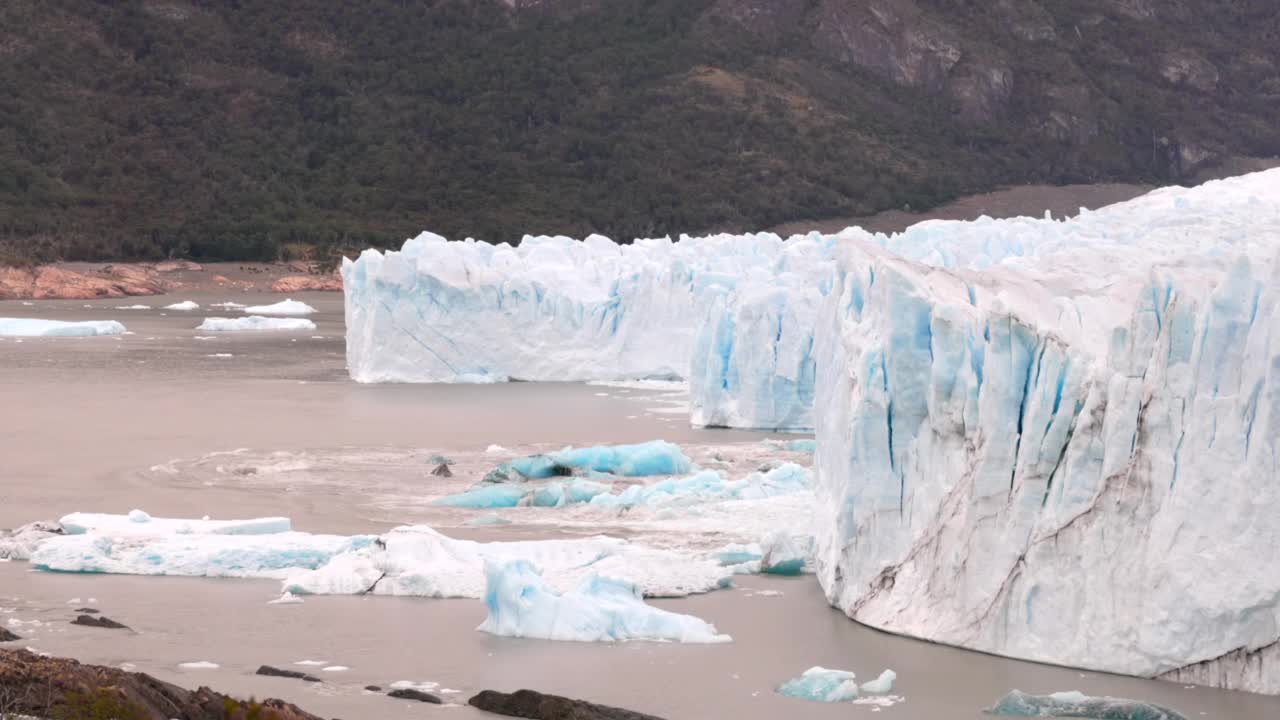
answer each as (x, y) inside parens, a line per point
(1058, 440)
(733, 314)
(254, 323)
(30, 327)
(601, 609)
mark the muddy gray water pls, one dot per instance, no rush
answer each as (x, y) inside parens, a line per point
(84, 420)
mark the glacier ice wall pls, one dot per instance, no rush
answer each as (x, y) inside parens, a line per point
(1058, 440)
(550, 308)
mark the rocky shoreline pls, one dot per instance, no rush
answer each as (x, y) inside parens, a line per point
(85, 281)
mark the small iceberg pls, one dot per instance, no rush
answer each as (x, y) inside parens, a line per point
(656, 457)
(254, 323)
(284, 307)
(820, 684)
(134, 307)
(1076, 704)
(138, 522)
(882, 685)
(29, 327)
(185, 305)
(601, 609)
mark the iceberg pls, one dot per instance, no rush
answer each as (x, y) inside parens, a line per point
(18, 544)
(138, 522)
(882, 685)
(1078, 705)
(254, 323)
(30, 327)
(194, 555)
(487, 496)
(600, 609)
(284, 307)
(419, 561)
(655, 457)
(822, 685)
(184, 306)
(1057, 440)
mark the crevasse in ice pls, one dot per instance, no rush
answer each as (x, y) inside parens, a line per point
(1058, 440)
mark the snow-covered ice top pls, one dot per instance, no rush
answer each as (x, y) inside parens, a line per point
(1058, 440)
(139, 522)
(30, 327)
(284, 307)
(600, 609)
(550, 308)
(185, 305)
(254, 323)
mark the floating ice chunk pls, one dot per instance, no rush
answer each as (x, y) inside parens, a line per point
(656, 457)
(738, 554)
(426, 686)
(199, 665)
(882, 685)
(486, 520)
(521, 604)
(488, 496)
(335, 668)
(419, 561)
(808, 446)
(18, 544)
(139, 522)
(822, 685)
(287, 598)
(786, 553)
(312, 663)
(134, 307)
(197, 555)
(495, 449)
(786, 479)
(29, 327)
(1075, 704)
(284, 307)
(185, 305)
(227, 305)
(559, 494)
(254, 323)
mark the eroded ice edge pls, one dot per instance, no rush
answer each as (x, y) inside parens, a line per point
(1058, 440)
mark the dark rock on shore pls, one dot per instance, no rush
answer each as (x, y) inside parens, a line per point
(407, 694)
(98, 622)
(294, 674)
(538, 706)
(6, 636)
(62, 688)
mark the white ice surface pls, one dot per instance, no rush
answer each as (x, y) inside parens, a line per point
(520, 603)
(284, 307)
(254, 323)
(31, 327)
(185, 305)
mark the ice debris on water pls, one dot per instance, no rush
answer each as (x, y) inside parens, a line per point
(199, 665)
(882, 685)
(1075, 704)
(656, 457)
(30, 327)
(822, 685)
(254, 323)
(600, 609)
(284, 307)
(185, 305)
(286, 598)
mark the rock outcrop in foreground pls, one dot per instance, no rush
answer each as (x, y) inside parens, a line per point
(58, 687)
(536, 705)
